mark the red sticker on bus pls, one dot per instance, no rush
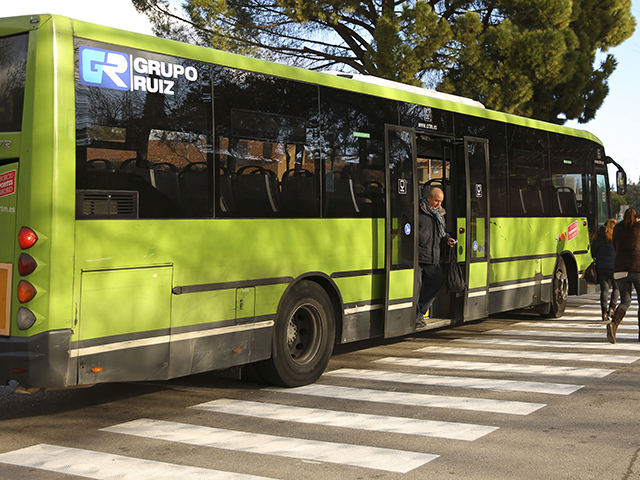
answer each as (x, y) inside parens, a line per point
(7, 183)
(572, 230)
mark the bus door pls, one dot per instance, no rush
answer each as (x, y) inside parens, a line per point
(475, 234)
(401, 245)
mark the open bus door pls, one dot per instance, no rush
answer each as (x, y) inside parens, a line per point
(401, 247)
(476, 230)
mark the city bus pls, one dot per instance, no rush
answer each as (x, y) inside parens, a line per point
(168, 209)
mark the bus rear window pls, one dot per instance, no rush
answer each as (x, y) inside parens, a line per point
(13, 71)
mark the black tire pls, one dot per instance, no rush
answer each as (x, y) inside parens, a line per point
(303, 338)
(560, 291)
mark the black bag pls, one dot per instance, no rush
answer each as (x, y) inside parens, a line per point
(453, 276)
(590, 274)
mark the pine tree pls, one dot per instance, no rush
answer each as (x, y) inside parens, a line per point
(538, 58)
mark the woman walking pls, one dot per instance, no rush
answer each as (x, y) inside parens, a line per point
(626, 242)
(604, 255)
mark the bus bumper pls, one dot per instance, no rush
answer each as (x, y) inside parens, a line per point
(41, 361)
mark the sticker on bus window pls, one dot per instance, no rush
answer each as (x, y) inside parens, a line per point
(8, 183)
(403, 186)
(572, 231)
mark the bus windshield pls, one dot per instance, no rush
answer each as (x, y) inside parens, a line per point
(13, 70)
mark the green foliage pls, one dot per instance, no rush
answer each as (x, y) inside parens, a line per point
(530, 57)
(633, 196)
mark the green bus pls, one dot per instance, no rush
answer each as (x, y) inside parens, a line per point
(168, 209)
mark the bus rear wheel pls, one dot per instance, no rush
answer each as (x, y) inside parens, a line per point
(560, 290)
(303, 338)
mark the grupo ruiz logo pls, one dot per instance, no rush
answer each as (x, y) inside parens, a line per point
(121, 71)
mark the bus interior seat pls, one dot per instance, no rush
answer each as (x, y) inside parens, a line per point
(140, 167)
(254, 190)
(567, 200)
(531, 198)
(107, 166)
(225, 190)
(299, 192)
(194, 185)
(167, 180)
(342, 201)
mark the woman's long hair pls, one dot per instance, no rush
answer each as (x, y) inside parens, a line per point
(630, 217)
(608, 226)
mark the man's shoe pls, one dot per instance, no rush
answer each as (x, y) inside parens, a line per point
(420, 323)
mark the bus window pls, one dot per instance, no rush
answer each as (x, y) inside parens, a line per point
(529, 191)
(353, 153)
(266, 135)
(143, 152)
(13, 72)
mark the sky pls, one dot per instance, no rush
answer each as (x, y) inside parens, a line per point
(615, 123)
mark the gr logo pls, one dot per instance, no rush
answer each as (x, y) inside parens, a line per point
(105, 68)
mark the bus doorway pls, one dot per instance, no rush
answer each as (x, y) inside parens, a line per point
(434, 159)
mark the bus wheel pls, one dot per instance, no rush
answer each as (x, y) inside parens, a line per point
(560, 290)
(303, 337)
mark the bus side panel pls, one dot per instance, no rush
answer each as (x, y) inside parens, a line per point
(123, 331)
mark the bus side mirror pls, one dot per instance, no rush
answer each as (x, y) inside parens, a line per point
(621, 182)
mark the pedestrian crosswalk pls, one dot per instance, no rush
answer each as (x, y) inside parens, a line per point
(541, 359)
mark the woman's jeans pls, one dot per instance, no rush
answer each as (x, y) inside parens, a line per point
(607, 283)
(625, 285)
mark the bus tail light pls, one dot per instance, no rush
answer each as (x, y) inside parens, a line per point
(26, 291)
(26, 318)
(26, 264)
(27, 238)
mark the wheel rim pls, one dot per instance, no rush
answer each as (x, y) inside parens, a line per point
(304, 334)
(561, 286)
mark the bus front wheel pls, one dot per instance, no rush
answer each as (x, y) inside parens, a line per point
(303, 338)
(560, 290)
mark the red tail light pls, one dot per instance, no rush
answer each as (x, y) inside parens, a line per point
(27, 238)
(26, 264)
(26, 291)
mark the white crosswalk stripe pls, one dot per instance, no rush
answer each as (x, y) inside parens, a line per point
(532, 354)
(355, 455)
(416, 399)
(498, 367)
(547, 333)
(516, 342)
(333, 418)
(105, 466)
(600, 326)
(458, 382)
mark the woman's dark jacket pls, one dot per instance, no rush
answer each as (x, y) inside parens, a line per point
(603, 251)
(626, 242)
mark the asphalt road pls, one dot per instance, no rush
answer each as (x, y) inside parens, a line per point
(510, 397)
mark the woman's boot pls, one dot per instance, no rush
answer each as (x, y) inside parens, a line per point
(612, 327)
(605, 314)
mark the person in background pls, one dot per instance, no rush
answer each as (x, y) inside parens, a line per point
(626, 267)
(604, 255)
(431, 232)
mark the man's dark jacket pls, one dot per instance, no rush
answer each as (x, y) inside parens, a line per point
(428, 240)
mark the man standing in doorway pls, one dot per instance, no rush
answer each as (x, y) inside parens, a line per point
(431, 231)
